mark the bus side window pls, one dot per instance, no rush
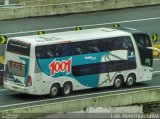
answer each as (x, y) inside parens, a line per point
(77, 51)
(93, 46)
(124, 43)
(93, 49)
(50, 52)
(78, 48)
(58, 51)
(66, 49)
(40, 52)
(128, 43)
(108, 44)
(120, 43)
(62, 50)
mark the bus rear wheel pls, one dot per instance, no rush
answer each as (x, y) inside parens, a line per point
(54, 90)
(131, 79)
(118, 82)
(67, 88)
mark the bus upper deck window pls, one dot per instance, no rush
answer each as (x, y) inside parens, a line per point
(40, 52)
(77, 51)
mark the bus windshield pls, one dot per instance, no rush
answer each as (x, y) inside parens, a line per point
(18, 47)
(146, 55)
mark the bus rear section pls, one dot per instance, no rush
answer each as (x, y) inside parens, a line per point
(17, 58)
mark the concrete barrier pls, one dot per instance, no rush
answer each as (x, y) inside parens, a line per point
(108, 100)
(74, 7)
(101, 113)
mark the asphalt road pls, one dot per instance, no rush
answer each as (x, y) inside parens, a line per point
(146, 19)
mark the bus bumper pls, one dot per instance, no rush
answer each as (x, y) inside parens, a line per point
(17, 88)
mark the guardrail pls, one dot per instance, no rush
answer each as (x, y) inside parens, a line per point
(108, 100)
(75, 7)
(6, 2)
(10, 6)
(46, 2)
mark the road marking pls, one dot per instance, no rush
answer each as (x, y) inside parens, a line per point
(71, 27)
(156, 59)
(104, 92)
(156, 72)
(3, 90)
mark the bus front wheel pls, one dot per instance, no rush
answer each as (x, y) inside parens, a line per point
(54, 90)
(67, 88)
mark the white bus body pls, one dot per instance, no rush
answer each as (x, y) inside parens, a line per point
(76, 60)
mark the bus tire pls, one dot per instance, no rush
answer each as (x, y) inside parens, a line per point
(54, 90)
(131, 79)
(67, 88)
(118, 82)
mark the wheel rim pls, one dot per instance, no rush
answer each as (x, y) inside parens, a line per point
(130, 81)
(117, 82)
(54, 91)
(67, 89)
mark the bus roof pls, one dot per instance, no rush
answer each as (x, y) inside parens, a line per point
(72, 36)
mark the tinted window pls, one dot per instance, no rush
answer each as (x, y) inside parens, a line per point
(108, 44)
(40, 52)
(62, 50)
(118, 43)
(94, 46)
(79, 48)
(146, 55)
(103, 67)
(102, 45)
(18, 47)
(142, 40)
(52, 51)
(84, 47)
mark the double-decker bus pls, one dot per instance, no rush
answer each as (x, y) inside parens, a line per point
(59, 63)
